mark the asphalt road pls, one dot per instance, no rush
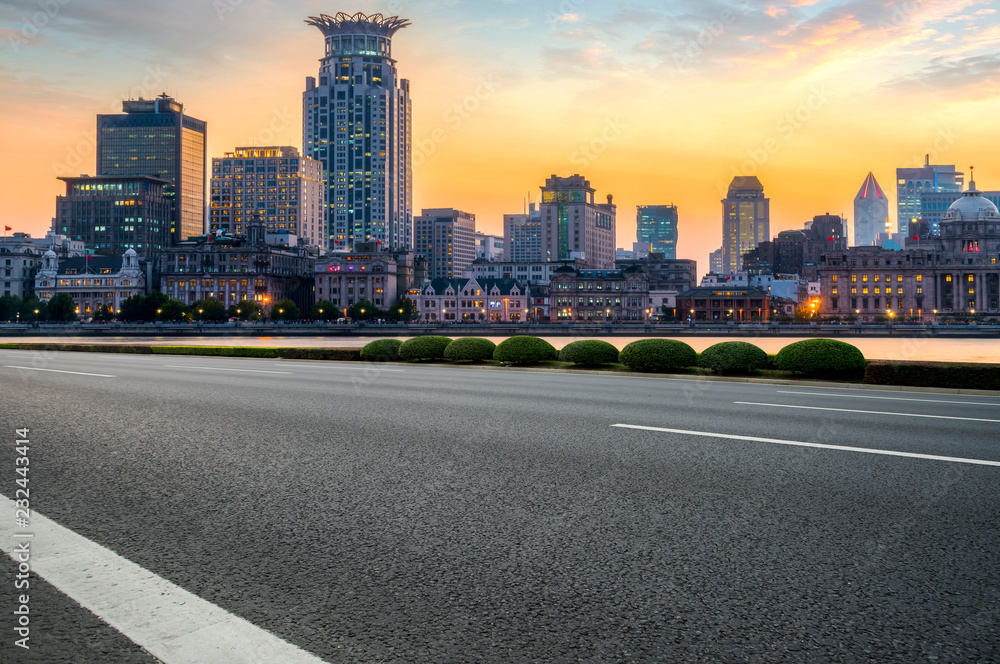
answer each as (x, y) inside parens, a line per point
(436, 514)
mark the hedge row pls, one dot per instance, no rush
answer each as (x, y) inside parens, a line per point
(934, 374)
(810, 358)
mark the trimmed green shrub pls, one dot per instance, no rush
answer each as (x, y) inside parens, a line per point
(733, 357)
(589, 353)
(423, 348)
(470, 349)
(524, 349)
(381, 350)
(658, 355)
(934, 374)
(824, 358)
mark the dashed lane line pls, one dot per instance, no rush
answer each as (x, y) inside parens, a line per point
(795, 443)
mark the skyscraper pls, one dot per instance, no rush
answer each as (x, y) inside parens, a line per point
(154, 137)
(447, 239)
(746, 216)
(285, 189)
(911, 182)
(356, 122)
(871, 212)
(573, 223)
(657, 225)
(522, 236)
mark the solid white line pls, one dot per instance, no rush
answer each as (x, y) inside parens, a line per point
(177, 366)
(174, 625)
(841, 448)
(868, 412)
(863, 396)
(77, 373)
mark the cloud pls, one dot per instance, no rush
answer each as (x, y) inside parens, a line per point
(976, 77)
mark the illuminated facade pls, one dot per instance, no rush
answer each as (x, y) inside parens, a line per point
(346, 278)
(657, 225)
(912, 182)
(283, 188)
(92, 281)
(154, 137)
(113, 214)
(453, 300)
(746, 221)
(573, 224)
(357, 123)
(871, 213)
(954, 273)
(522, 236)
(599, 295)
(446, 238)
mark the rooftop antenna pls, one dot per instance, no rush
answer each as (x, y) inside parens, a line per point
(972, 178)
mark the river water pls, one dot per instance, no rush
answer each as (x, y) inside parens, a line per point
(900, 348)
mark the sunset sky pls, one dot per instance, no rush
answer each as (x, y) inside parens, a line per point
(654, 102)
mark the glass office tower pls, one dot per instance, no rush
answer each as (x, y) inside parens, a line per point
(155, 138)
(657, 225)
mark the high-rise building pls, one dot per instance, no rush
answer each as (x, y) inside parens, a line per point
(154, 137)
(746, 216)
(573, 224)
(447, 239)
(933, 206)
(715, 261)
(522, 236)
(356, 122)
(112, 214)
(657, 225)
(286, 190)
(912, 182)
(871, 212)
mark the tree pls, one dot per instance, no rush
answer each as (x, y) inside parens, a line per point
(285, 310)
(104, 314)
(325, 310)
(9, 306)
(363, 310)
(247, 310)
(404, 309)
(208, 309)
(29, 307)
(153, 303)
(172, 310)
(62, 309)
(131, 309)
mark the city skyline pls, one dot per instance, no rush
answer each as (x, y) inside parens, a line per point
(842, 80)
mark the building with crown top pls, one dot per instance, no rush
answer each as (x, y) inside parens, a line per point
(746, 221)
(357, 124)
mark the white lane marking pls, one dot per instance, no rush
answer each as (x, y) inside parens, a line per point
(841, 448)
(864, 396)
(178, 366)
(76, 373)
(174, 625)
(868, 412)
(372, 367)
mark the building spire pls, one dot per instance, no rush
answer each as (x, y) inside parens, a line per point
(972, 178)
